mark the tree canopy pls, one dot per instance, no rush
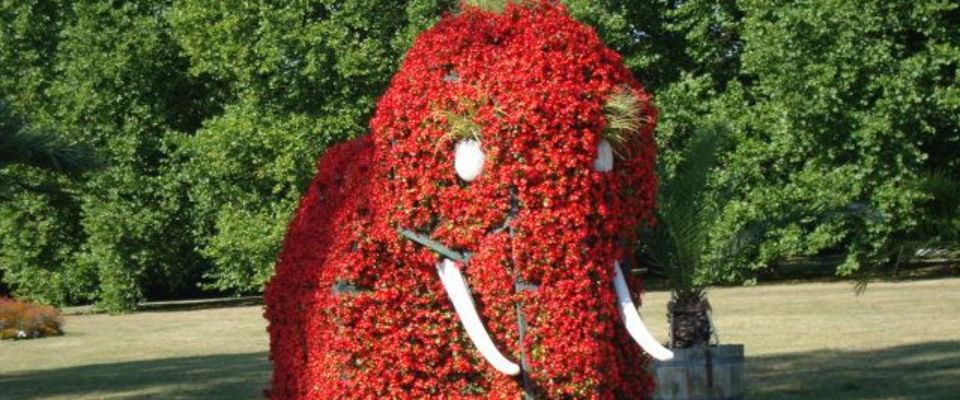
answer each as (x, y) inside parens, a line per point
(210, 117)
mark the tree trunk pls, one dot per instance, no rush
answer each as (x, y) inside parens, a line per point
(689, 323)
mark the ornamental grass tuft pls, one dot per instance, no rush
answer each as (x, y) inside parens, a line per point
(461, 126)
(624, 114)
(489, 5)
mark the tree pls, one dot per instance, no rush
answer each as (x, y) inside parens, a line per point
(36, 260)
(209, 117)
(164, 91)
(831, 105)
(108, 75)
(295, 77)
(675, 246)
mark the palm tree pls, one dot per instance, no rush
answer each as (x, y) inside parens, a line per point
(676, 244)
(937, 232)
(24, 145)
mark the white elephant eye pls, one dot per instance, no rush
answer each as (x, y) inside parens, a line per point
(604, 161)
(468, 159)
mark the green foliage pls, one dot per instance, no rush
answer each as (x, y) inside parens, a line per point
(679, 239)
(40, 241)
(937, 232)
(126, 87)
(638, 29)
(37, 240)
(835, 107)
(108, 75)
(489, 5)
(248, 169)
(295, 77)
(940, 219)
(209, 117)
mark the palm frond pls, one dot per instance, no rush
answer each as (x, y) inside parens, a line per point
(942, 209)
(677, 243)
(22, 144)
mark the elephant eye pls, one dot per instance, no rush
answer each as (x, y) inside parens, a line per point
(468, 159)
(604, 161)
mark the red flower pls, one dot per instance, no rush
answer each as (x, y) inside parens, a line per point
(534, 82)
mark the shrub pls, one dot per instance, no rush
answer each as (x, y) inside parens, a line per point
(26, 320)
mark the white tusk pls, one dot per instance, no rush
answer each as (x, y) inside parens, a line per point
(631, 318)
(459, 294)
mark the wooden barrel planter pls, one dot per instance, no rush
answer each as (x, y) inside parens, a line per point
(701, 373)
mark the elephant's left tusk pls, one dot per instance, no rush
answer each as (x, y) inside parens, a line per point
(631, 318)
(459, 294)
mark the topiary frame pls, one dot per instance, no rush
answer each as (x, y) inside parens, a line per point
(356, 308)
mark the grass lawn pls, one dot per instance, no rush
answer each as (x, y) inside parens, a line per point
(804, 341)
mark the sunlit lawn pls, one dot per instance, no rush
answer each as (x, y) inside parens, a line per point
(807, 341)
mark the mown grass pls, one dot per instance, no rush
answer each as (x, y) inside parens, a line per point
(820, 341)
(804, 341)
(202, 354)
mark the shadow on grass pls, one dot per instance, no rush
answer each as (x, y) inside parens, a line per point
(919, 371)
(226, 376)
(924, 371)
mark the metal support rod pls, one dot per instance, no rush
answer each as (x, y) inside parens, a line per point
(434, 245)
(529, 392)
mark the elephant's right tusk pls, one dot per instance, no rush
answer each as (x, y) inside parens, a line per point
(459, 294)
(631, 318)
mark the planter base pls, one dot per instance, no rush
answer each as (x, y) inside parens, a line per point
(701, 373)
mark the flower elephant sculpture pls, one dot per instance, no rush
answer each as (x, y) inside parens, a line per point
(470, 246)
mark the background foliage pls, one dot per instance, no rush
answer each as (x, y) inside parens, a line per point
(211, 115)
